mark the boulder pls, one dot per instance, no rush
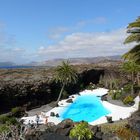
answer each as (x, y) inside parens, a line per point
(110, 136)
(57, 115)
(104, 98)
(54, 137)
(66, 123)
(99, 135)
(46, 136)
(69, 101)
(109, 119)
(63, 128)
(50, 124)
(134, 122)
(94, 129)
(64, 131)
(52, 114)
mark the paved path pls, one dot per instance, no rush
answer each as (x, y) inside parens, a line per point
(116, 102)
(44, 108)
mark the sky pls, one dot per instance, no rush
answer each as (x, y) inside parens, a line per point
(39, 30)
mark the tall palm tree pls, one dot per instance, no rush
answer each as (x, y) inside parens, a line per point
(134, 30)
(65, 74)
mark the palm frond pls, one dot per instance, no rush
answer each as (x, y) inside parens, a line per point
(133, 54)
(65, 74)
(135, 24)
(130, 66)
(132, 38)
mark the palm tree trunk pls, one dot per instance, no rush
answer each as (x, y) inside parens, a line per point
(60, 94)
(132, 86)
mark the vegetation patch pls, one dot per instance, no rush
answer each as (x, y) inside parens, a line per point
(115, 94)
(127, 134)
(4, 128)
(128, 100)
(81, 131)
(17, 112)
(5, 119)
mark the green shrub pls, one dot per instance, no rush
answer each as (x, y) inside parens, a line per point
(118, 95)
(110, 92)
(17, 112)
(128, 99)
(91, 86)
(3, 119)
(115, 94)
(127, 88)
(12, 120)
(4, 128)
(81, 131)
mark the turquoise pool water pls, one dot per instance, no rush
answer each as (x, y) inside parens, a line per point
(86, 107)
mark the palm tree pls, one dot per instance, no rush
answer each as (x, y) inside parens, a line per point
(132, 68)
(65, 74)
(134, 30)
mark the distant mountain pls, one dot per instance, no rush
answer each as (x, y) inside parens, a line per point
(56, 62)
(5, 64)
(76, 61)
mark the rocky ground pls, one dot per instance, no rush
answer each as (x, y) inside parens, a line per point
(119, 130)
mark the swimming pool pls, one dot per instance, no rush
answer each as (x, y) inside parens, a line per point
(86, 107)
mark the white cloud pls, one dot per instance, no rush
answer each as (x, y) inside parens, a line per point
(76, 44)
(97, 20)
(87, 45)
(57, 32)
(12, 54)
(8, 49)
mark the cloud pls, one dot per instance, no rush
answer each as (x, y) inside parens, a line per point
(97, 20)
(12, 54)
(66, 45)
(57, 32)
(86, 45)
(8, 49)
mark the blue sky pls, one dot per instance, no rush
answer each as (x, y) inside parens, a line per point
(38, 30)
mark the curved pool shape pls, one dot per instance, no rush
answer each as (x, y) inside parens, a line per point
(86, 107)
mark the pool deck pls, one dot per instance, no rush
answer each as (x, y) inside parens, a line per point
(117, 112)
